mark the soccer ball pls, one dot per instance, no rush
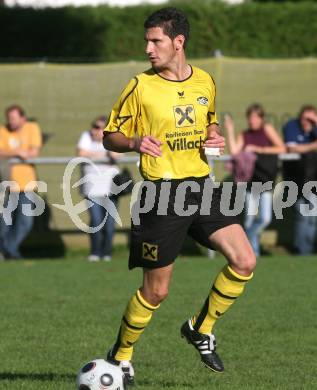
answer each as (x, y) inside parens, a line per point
(100, 375)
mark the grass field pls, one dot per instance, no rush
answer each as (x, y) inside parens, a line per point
(55, 315)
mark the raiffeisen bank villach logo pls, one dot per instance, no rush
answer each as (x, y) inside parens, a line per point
(74, 210)
(184, 115)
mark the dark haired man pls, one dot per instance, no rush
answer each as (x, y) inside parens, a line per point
(167, 114)
(300, 136)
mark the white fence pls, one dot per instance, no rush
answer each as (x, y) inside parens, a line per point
(127, 159)
(51, 170)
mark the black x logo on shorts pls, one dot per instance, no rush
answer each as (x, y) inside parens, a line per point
(149, 251)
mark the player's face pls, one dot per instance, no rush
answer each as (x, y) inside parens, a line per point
(160, 48)
(15, 120)
(255, 121)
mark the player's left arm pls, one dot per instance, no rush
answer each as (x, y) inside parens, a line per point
(214, 138)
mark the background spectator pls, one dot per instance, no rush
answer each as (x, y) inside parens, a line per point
(300, 136)
(260, 138)
(18, 138)
(97, 187)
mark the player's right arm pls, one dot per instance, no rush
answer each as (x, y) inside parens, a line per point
(118, 142)
(122, 133)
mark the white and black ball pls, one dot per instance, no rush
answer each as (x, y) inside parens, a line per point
(100, 375)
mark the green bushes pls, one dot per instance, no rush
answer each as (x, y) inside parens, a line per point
(263, 30)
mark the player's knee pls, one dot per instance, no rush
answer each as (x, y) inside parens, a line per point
(244, 262)
(156, 295)
(247, 262)
(250, 263)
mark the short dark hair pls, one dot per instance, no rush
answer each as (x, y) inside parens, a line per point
(255, 108)
(15, 107)
(307, 107)
(173, 22)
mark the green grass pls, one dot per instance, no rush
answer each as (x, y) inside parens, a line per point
(56, 315)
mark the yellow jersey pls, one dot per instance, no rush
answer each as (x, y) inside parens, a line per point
(28, 136)
(175, 112)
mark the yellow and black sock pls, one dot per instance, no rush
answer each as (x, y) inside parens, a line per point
(135, 319)
(228, 286)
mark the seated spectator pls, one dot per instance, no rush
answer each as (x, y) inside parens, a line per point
(22, 139)
(262, 139)
(98, 187)
(300, 136)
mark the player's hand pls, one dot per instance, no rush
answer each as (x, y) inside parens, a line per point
(148, 145)
(215, 140)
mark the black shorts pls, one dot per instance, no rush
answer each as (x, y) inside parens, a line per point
(158, 234)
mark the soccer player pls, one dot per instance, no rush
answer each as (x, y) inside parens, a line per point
(167, 114)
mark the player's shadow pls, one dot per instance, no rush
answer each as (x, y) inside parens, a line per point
(44, 242)
(35, 376)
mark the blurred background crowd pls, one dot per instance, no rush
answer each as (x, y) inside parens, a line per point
(59, 84)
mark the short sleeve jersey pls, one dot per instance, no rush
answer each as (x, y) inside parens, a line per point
(175, 112)
(27, 137)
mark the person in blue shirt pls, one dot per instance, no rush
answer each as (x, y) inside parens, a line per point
(300, 136)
